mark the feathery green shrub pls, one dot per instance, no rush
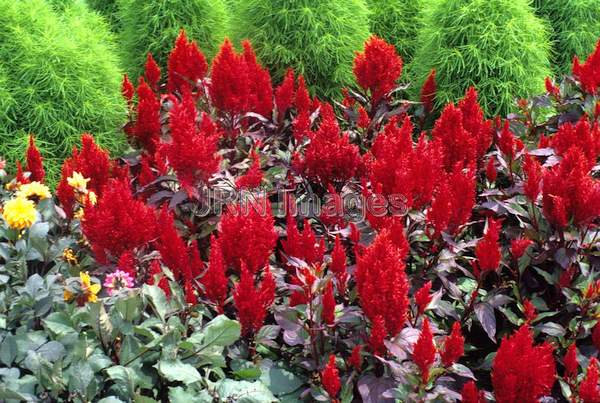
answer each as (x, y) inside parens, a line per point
(499, 46)
(398, 22)
(153, 25)
(575, 29)
(316, 38)
(109, 9)
(59, 77)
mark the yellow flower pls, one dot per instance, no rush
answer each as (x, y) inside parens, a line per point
(79, 214)
(70, 257)
(92, 198)
(78, 182)
(19, 213)
(88, 291)
(34, 191)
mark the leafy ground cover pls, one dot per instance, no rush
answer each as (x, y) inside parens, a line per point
(257, 244)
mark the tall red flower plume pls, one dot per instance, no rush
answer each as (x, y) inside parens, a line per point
(192, 151)
(588, 389)
(588, 73)
(490, 171)
(363, 119)
(381, 283)
(152, 72)
(533, 172)
(423, 297)
(284, 94)
(518, 247)
(475, 123)
(253, 177)
(570, 362)
(338, 265)
(303, 244)
(186, 65)
(93, 163)
(428, 92)
(330, 378)
(551, 88)
(377, 336)
(487, 250)
(458, 146)
(328, 305)
(247, 234)
(118, 223)
(20, 175)
(214, 280)
(147, 128)
(584, 136)
(252, 301)
(35, 164)
(454, 346)
(470, 394)
(127, 264)
(424, 351)
(127, 89)
(513, 376)
(378, 68)
(260, 99)
(330, 157)
(507, 143)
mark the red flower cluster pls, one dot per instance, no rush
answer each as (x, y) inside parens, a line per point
(519, 246)
(454, 346)
(239, 84)
(215, 281)
(588, 73)
(330, 378)
(152, 72)
(147, 125)
(253, 177)
(247, 234)
(470, 394)
(588, 389)
(328, 313)
(251, 301)
(93, 163)
(582, 136)
(378, 68)
(186, 65)
(533, 172)
(35, 164)
(428, 92)
(569, 193)
(487, 251)
(338, 265)
(522, 372)
(423, 297)
(570, 362)
(330, 157)
(192, 151)
(382, 285)
(424, 351)
(284, 94)
(118, 223)
(303, 244)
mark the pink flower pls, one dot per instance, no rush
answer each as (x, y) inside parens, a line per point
(117, 281)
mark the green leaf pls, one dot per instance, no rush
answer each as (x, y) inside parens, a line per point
(221, 331)
(177, 371)
(180, 395)
(244, 392)
(279, 379)
(157, 298)
(124, 376)
(59, 323)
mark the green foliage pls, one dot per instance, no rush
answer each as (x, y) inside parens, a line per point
(397, 22)
(316, 38)
(107, 8)
(576, 28)
(499, 46)
(59, 77)
(153, 25)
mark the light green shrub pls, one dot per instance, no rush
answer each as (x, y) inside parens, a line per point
(575, 29)
(398, 22)
(316, 38)
(499, 46)
(153, 25)
(59, 77)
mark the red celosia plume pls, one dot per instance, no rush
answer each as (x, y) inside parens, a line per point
(187, 65)
(252, 301)
(35, 164)
(424, 351)
(330, 378)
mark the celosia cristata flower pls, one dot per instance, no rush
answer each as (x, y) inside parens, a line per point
(330, 157)
(475, 123)
(569, 192)
(428, 92)
(533, 172)
(582, 135)
(338, 265)
(254, 176)
(118, 223)
(302, 244)
(173, 249)
(260, 96)
(551, 88)
(381, 283)
(507, 142)
(459, 147)
(363, 119)
(84, 292)
(34, 191)
(522, 372)
(147, 128)
(424, 351)
(284, 94)
(423, 297)
(378, 68)
(251, 301)
(487, 250)
(470, 394)
(377, 336)
(152, 72)
(215, 280)
(328, 303)
(588, 73)
(355, 359)
(519, 246)
(19, 213)
(127, 89)
(117, 280)
(186, 65)
(192, 151)
(91, 162)
(588, 388)
(330, 378)
(490, 170)
(570, 362)
(529, 311)
(35, 164)
(247, 234)
(454, 346)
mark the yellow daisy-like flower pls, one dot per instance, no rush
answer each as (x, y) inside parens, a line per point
(78, 182)
(79, 214)
(88, 291)
(19, 213)
(34, 191)
(69, 256)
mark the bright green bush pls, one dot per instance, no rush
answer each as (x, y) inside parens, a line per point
(397, 22)
(316, 38)
(499, 46)
(108, 8)
(59, 77)
(575, 26)
(153, 25)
